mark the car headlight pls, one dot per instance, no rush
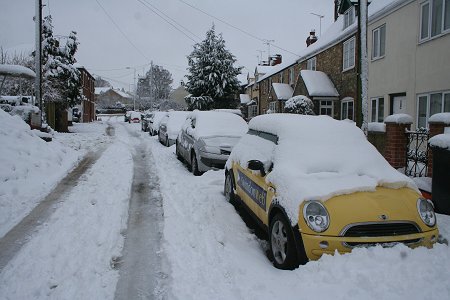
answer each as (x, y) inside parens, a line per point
(316, 216)
(426, 211)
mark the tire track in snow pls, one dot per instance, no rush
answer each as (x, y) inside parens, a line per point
(19, 235)
(141, 267)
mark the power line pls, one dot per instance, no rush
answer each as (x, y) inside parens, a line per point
(147, 5)
(120, 30)
(235, 27)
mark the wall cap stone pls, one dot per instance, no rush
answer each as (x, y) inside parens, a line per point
(399, 119)
(440, 118)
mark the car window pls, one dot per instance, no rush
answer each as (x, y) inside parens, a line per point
(267, 136)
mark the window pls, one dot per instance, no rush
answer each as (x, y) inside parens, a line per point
(377, 110)
(281, 77)
(252, 111)
(378, 41)
(273, 106)
(291, 76)
(434, 18)
(430, 104)
(349, 54)
(349, 17)
(347, 111)
(311, 64)
(326, 107)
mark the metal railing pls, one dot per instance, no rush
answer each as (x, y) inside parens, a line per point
(417, 153)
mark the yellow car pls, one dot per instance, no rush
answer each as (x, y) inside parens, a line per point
(316, 185)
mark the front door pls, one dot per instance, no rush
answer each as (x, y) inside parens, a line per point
(399, 105)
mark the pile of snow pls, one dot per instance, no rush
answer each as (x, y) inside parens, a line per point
(29, 168)
(440, 118)
(377, 127)
(214, 123)
(328, 157)
(17, 71)
(441, 141)
(399, 119)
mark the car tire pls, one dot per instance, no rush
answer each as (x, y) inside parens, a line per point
(282, 243)
(167, 141)
(194, 165)
(228, 189)
(177, 152)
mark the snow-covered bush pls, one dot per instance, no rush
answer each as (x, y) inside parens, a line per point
(200, 103)
(301, 105)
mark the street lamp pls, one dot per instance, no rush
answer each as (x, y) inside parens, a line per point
(135, 88)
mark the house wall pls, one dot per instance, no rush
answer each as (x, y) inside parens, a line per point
(408, 66)
(88, 102)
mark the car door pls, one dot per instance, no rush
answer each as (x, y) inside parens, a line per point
(251, 184)
(186, 138)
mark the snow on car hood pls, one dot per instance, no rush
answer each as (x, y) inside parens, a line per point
(317, 157)
(213, 123)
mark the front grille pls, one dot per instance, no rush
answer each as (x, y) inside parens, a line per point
(385, 244)
(380, 229)
(224, 152)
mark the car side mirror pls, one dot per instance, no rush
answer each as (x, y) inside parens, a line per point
(257, 165)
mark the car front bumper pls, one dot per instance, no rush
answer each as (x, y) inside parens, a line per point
(317, 245)
(209, 161)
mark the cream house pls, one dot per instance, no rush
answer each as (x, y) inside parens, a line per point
(409, 60)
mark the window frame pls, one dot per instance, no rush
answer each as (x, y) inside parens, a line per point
(378, 40)
(347, 43)
(273, 104)
(442, 30)
(349, 16)
(428, 104)
(252, 111)
(326, 106)
(378, 114)
(311, 64)
(346, 101)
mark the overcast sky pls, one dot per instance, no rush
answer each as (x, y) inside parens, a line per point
(104, 50)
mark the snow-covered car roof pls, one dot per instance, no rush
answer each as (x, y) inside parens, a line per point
(216, 123)
(175, 121)
(135, 114)
(157, 117)
(316, 158)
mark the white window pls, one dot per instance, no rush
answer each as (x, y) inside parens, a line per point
(377, 109)
(347, 109)
(252, 111)
(311, 64)
(326, 107)
(349, 54)
(349, 17)
(291, 76)
(430, 104)
(378, 42)
(434, 18)
(273, 106)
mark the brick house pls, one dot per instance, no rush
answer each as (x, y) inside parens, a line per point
(87, 95)
(107, 97)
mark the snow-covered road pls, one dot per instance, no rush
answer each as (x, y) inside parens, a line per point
(198, 248)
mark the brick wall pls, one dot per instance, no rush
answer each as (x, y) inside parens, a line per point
(396, 141)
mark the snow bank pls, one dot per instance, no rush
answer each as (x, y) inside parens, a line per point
(29, 168)
(399, 119)
(328, 157)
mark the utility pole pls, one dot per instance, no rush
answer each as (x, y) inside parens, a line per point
(363, 66)
(38, 54)
(135, 88)
(267, 42)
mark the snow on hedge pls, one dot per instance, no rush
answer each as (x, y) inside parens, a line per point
(23, 157)
(299, 105)
(317, 157)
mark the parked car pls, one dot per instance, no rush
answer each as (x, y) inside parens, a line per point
(145, 121)
(316, 185)
(207, 138)
(135, 117)
(170, 126)
(154, 122)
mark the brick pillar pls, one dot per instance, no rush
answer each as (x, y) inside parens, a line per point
(435, 129)
(396, 141)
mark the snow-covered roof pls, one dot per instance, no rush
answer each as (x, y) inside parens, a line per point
(328, 157)
(283, 91)
(335, 34)
(17, 71)
(100, 90)
(264, 69)
(123, 94)
(318, 84)
(245, 98)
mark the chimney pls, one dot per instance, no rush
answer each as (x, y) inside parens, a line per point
(312, 38)
(275, 59)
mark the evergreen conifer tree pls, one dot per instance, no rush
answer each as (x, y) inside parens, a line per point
(212, 79)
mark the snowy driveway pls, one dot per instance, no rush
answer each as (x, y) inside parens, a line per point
(80, 251)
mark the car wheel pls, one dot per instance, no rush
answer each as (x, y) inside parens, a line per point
(194, 165)
(167, 141)
(228, 187)
(177, 152)
(282, 243)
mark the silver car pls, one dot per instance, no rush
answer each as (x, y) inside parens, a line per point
(207, 138)
(170, 126)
